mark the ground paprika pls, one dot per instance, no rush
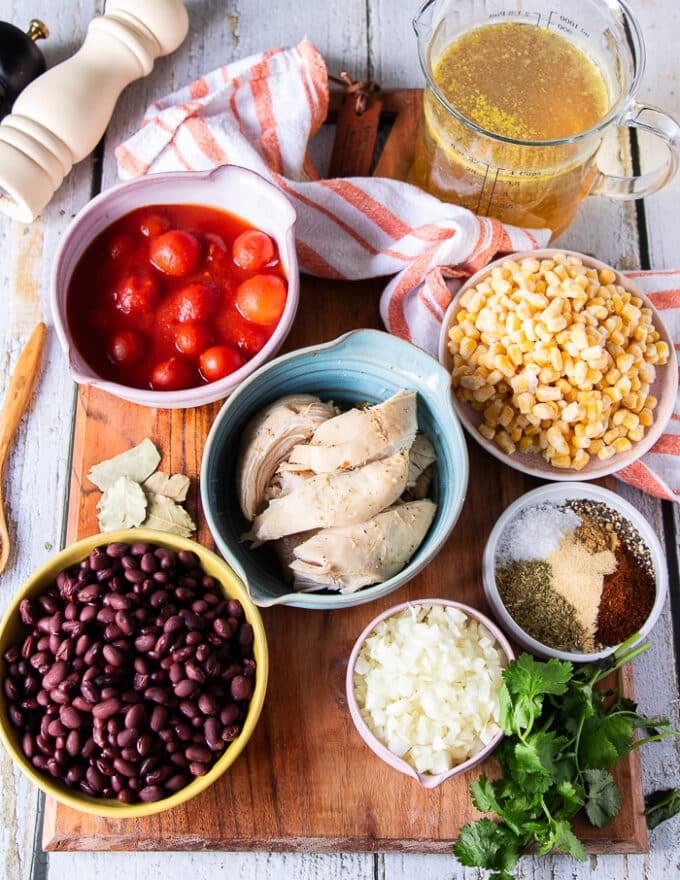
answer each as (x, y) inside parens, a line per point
(627, 599)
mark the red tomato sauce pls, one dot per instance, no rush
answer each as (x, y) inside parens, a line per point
(175, 296)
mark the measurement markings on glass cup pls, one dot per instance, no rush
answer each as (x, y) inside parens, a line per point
(560, 22)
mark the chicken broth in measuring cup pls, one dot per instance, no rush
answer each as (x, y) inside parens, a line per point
(521, 83)
(517, 103)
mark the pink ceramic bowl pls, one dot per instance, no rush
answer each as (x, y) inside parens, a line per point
(371, 740)
(230, 188)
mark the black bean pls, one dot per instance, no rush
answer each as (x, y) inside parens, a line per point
(56, 674)
(70, 717)
(150, 793)
(107, 708)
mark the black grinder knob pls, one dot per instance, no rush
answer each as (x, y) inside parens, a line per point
(20, 60)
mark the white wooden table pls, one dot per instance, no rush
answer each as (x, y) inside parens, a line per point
(369, 39)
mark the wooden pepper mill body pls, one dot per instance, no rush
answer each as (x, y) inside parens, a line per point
(59, 118)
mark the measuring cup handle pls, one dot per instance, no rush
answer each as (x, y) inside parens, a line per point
(658, 123)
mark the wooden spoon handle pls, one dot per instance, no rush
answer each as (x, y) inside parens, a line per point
(19, 389)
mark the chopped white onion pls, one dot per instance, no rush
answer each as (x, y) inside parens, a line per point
(426, 681)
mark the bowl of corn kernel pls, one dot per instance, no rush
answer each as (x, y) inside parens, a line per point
(559, 364)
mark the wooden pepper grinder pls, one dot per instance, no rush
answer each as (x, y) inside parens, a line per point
(59, 117)
(21, 61)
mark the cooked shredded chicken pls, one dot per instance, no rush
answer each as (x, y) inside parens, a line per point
(349, 557)
(267, 441)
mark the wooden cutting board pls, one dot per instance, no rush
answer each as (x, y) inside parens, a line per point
(306, 782)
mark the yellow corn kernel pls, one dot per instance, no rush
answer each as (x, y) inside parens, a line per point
(554, 325)
(516, 355)
(611, 435)
(522, 382)
(624, 362)
(662, 352)
(524, 401)
(473, 382)
(622, 444)
(561, 461)
(630, 420)
(545, 393)
(580, 373)
(605, 453)
(487, 431)
(469, 329)
(494, 377)
(624, 385)
(646, 417)
(506, 416)
(580, 459)
(456, 336)
(606, 276)
(481, 395)
(599, 312)
(636, 434)
(547, 376)
(467, 346)
(630, 313)
(526, 443)
(504, 364)
(556, 439)
(493, 411)
(544, 411)
(505, 442)
(595, 429)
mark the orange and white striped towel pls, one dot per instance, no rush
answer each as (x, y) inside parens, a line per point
(261, 113)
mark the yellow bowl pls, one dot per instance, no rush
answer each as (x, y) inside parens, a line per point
(12, 630)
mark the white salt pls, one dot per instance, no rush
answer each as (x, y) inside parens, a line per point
(535, 533)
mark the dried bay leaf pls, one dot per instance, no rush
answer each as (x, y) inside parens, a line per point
(122, 506)
(174, 487)
(137, 464)
(164, 514)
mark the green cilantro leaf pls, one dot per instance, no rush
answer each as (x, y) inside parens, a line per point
(487, 844)
(603, 800)
(484, 796)
(605, 739)
(525, 683)
(572, 800)
(566, 841)
(561, 734)
(662, 805)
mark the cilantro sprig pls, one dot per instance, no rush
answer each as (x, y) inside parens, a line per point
(562, 736)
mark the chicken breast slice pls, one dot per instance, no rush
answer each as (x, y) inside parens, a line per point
(359, 436)
(350, 557)
(338, 499)
(267, 441)
(421, 457)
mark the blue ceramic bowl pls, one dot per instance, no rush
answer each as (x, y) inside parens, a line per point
(364, 365)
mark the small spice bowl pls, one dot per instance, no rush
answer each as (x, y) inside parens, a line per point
(465, 625)
(563, 557)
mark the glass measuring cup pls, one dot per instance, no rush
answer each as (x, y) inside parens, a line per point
(499, 166)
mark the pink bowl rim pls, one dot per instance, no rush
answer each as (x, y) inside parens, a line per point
(381, 750)
(212, 391)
